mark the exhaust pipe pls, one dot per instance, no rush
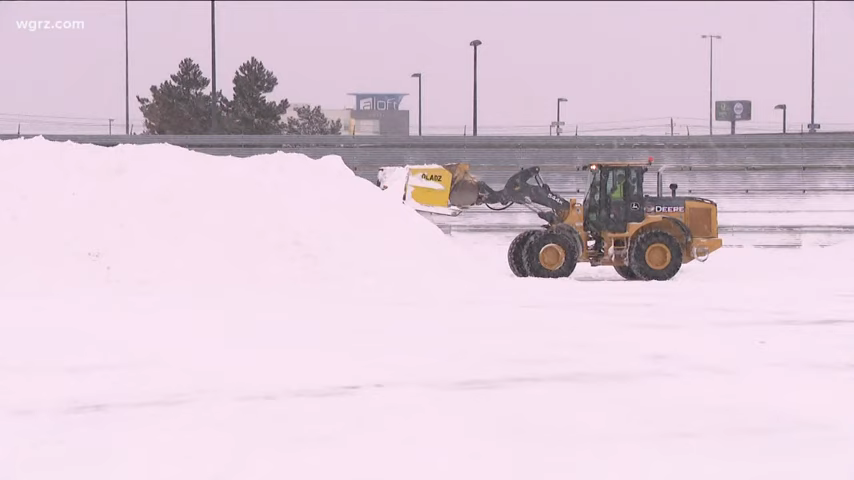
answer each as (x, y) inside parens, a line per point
(659, 180)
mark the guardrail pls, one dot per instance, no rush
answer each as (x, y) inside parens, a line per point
(790, 140)
(366, 154)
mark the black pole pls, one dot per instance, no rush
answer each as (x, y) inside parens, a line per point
(784, 119)
(475, 44)
(812, 94)
(213, 67)
(711, 76)
(557, 127)
(127, 75)
(711, 67)
(474, 114)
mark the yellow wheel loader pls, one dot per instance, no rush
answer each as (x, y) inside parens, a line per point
(616, 224)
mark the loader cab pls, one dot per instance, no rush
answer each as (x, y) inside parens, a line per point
(614, 196)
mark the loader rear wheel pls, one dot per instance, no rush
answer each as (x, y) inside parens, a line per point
(514, 253)
(550, 255)
(626, 272)
(655, 255)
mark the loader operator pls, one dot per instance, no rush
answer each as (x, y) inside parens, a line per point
(619, 184)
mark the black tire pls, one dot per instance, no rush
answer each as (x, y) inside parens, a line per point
(514, 253)
(626, 272)
(657, 243)
(571, 233)
(565, 247)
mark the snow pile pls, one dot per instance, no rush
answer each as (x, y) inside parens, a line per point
(162, 217)
(393, 180)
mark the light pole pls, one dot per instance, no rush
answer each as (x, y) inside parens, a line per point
(812, 87)
(213, 67)
(418, 76)
(475, 44)
(127, 75)
(557, 128)
(782, 107)
(111, 125)
(711, 103)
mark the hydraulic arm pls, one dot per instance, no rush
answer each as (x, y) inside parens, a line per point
(519, 190)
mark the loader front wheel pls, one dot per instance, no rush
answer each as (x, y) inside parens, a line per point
(655, 255)
(626, 272)
(550, 255)
(514, 253)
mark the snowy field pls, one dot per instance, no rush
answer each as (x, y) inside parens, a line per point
(175, 316)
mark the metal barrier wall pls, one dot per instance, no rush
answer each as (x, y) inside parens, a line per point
(820, 162)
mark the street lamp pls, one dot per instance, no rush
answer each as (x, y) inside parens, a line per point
(475, 44)
(711, 51)
(213, 67)
(127, 76)
(418, 76)
(782, 107)
(812, 87)
(557, 128)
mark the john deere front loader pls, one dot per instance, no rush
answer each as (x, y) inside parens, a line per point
(616, 224)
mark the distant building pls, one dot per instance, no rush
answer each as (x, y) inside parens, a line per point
(375, 114)
(379, 114)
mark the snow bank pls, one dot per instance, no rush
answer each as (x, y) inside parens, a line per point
(159, 269)
(162, 217)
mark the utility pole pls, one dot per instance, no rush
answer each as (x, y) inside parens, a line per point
(671, 126)
(111, 125)
(418, 76)
(711, 53)
(812, 87)
(213, 68)
(127, 75)
(475, 44)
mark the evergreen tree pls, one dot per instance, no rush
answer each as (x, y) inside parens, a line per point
(311, 121)
(179, 106)
(249, 112)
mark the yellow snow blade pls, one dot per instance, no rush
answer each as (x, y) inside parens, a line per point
(429, 186)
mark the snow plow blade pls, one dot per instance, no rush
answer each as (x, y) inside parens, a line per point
(439, 189)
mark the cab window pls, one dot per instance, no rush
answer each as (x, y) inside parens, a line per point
(633, 185)
(617, 184)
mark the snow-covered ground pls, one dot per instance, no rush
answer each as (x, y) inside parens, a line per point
(169, 315)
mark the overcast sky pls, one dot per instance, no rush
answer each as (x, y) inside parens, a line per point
(614, 61)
